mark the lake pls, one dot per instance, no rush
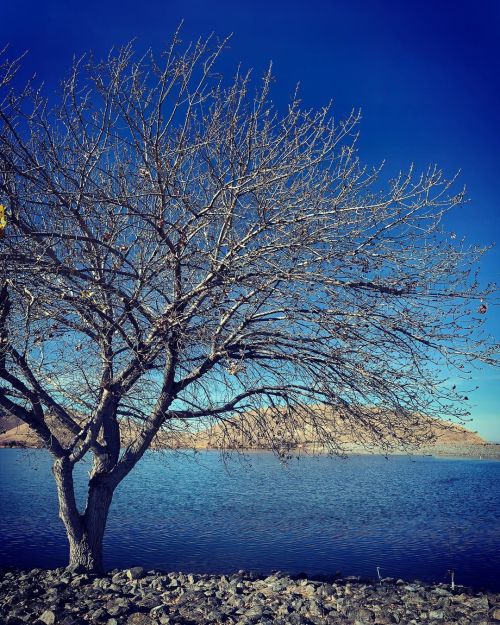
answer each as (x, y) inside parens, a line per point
(415, 518)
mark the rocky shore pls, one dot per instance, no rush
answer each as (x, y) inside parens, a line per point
(137, 597)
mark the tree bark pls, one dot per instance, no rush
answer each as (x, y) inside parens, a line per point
(86, 550)
(85, 532)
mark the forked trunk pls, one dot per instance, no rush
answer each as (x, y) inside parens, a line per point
(85, 531)
(85, 550)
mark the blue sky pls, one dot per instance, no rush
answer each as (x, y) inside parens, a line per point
(426, 76)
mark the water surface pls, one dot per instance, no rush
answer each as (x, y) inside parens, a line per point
(412, 517)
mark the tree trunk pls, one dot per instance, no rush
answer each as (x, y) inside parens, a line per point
(85, 532)
(86, 549)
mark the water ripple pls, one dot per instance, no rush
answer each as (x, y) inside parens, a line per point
(413, 519)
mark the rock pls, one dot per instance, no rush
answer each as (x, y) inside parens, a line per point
(158, 611)
(479, 603)
(132, 597)
(436, 615)
(461, 598)
(254, 613)
(214, 616)
(362, 616)
(79, 580)
(309, 589)
(99, 614)
(139, 618)
(297, 619)
(76, 569)
(117, 607)
(316, 609)
(441, 592)
(68, 620)
(146, 602)
(48, 617)
(135, 572)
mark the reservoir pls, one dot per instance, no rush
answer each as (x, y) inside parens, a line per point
(413, 517)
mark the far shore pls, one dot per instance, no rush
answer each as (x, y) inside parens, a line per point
(484, 451)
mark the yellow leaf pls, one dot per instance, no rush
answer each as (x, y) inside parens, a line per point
(3, 219)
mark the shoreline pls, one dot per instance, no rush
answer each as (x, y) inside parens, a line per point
(137, 597)
(486, 451)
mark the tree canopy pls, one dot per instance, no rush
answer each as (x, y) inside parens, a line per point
(177, 251)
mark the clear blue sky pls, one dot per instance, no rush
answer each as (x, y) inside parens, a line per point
(426, 75)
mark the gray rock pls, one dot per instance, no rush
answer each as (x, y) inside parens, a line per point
(136, 572)
(325, 590)
(441, 592)
(436, 615)
(315, 608)
(254, 612)
(76, 569)
(139, 618)
(117, 607)
(297, 604)
(159, 610)
(79, 580)
(48, 617)
(146, 601)
(284, 609)
(362, 616)
(118, 578)
(214, 616)
(297, 619)
(481, 602)
(99, 614)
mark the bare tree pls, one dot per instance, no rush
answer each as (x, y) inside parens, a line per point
(176, 252)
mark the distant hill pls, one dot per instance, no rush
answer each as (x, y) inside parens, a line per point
(7, 422)
(268, 434)
(14, 433)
